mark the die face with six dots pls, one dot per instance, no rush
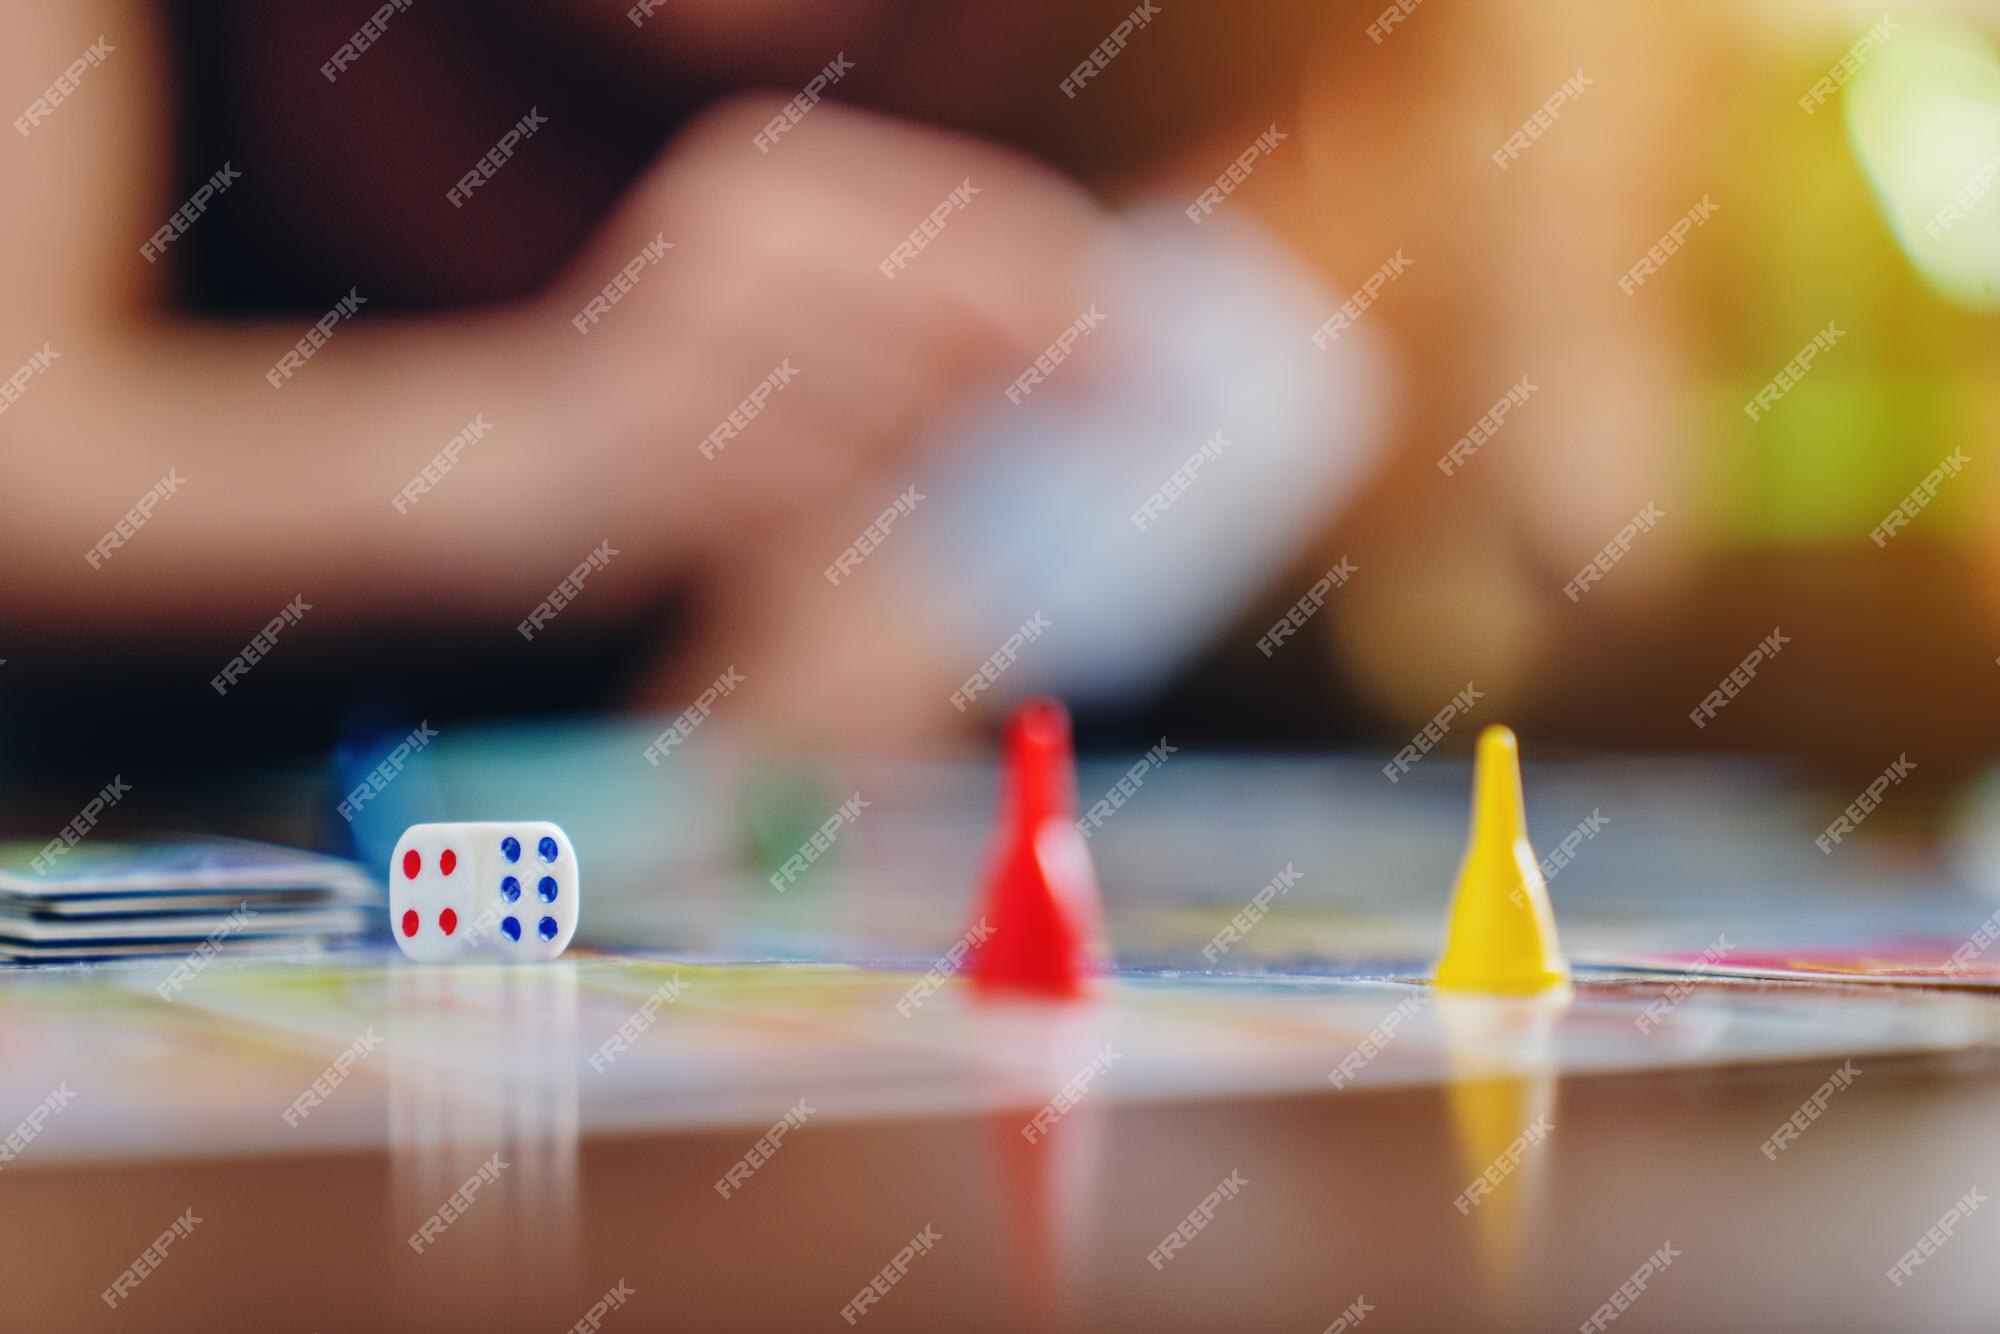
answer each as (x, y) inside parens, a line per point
(492, 889)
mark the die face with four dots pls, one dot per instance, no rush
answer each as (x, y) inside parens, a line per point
(491, 889)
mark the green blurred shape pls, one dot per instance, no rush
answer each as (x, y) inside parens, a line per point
(784, 805)
(1835, 455)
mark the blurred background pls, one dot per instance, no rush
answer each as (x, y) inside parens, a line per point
(1862, 206)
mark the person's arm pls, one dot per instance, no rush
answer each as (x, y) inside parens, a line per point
(288, 490)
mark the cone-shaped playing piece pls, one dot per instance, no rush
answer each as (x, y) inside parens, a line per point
(1501, 938)
(1040, 913)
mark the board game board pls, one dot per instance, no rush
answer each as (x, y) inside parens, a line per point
(741, 1106)
(425, 1075)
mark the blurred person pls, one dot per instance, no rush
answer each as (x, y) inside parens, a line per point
(464, 314)
(774, 256)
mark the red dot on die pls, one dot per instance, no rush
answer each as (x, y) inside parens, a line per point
(412, 863)
(448, 921)
(410, 922)
(447, 862)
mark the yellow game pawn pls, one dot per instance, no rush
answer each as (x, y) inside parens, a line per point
(1501, 938)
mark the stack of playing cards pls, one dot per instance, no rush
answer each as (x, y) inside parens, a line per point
(111, 900)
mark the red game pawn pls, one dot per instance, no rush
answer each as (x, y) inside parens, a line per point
(1041, 895)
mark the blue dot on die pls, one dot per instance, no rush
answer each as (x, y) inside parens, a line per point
(547, 848)
(547, 926)
(510, 889)
(510, 927)
(546, 887)
(510, 848)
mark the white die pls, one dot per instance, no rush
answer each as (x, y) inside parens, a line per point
(489, 889)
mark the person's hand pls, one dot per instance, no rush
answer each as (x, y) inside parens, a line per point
(777, 260)
(775, 275)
